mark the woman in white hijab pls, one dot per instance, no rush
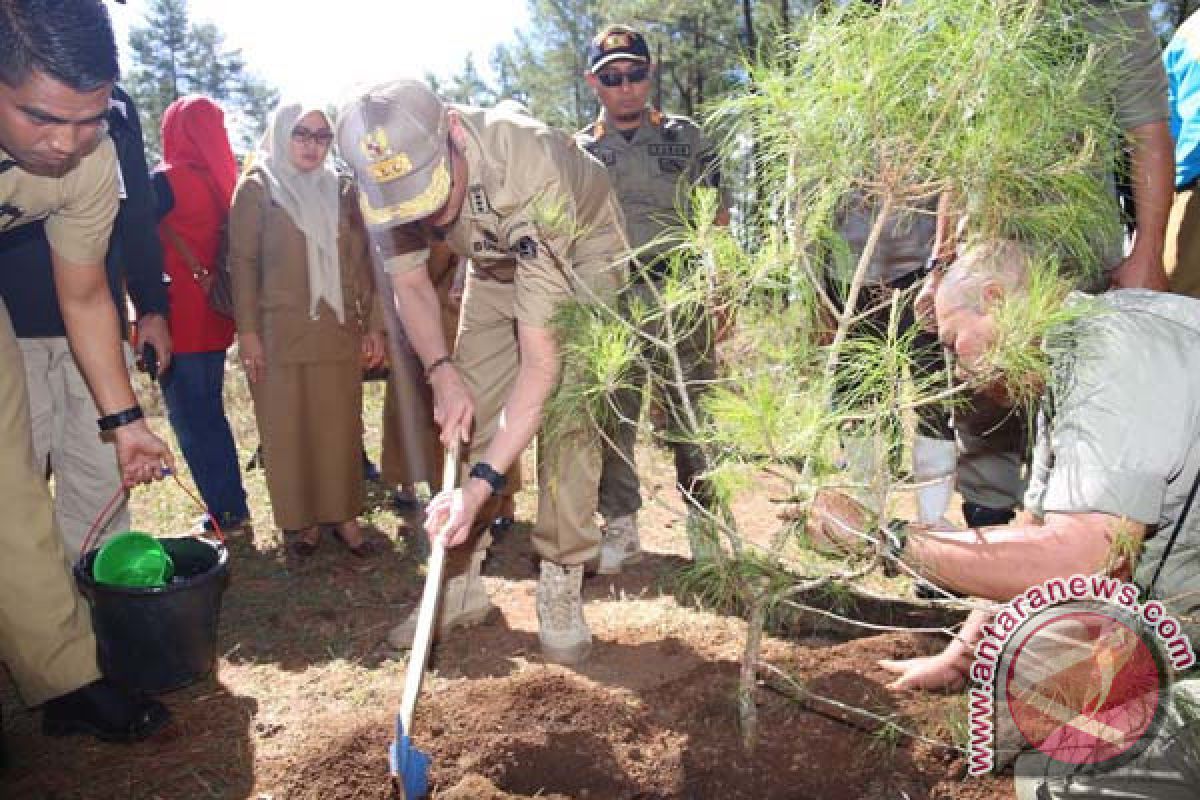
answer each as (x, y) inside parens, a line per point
(307, 323)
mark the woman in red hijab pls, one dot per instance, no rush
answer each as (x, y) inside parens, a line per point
(195, 188)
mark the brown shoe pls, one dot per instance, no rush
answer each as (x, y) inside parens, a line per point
(365, 548)
(300, 546)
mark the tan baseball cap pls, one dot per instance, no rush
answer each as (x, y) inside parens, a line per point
(393, 135)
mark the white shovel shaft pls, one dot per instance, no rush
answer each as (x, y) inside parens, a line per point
(423, 637)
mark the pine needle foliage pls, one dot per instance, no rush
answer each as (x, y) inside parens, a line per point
(1000, 108)
(999, 102)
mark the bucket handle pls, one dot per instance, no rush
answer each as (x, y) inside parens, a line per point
(111, 506)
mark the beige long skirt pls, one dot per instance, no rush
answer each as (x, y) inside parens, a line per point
(310, 424)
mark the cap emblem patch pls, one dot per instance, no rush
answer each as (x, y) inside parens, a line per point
(618, 40)
(375, 144)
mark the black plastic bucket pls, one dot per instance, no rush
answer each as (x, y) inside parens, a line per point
(162, 638)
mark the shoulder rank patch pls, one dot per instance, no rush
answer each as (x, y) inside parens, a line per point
(526, 248)
(478, 199)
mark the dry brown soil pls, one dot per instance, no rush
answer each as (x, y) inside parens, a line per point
(303, 702)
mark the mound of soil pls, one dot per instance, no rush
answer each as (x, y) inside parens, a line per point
(548, 732)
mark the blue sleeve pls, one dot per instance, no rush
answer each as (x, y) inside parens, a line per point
(1183, 79)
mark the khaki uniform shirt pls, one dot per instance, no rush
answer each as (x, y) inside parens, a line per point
(1118, 431)
(654, 173)
(533, 200)
(79, 208)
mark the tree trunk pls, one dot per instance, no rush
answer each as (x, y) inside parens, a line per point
(748, 20)
(748, 678)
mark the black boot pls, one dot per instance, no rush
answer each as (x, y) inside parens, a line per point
(978, 516)
(105, 711)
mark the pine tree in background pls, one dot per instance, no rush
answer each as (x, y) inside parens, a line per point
(172, 57)
(468, 86)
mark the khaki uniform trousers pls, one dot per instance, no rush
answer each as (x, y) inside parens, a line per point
(619, 484)
(568, 465)
(1181, 255)
(401, 459)
(45, 631)
(397, 464)
(63, 414)
(993, 449)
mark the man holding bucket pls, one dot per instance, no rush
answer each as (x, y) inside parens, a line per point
(542, 227)
(58, 63)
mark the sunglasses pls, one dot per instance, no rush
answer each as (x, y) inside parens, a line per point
(304, 135)
(612, 79)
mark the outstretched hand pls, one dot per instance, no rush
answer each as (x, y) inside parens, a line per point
(942, 672)
(837, 523)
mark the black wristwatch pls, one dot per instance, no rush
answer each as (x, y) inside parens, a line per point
(112, 421)
(486, 473)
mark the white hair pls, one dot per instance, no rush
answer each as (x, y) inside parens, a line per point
(1000, 262)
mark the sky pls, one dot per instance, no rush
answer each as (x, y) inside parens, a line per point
(318, 50)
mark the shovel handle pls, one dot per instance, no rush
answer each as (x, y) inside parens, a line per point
(428, 613)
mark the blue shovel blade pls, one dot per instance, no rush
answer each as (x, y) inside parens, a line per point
(410, 765)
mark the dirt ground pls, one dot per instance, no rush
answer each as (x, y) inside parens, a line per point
(302, 705)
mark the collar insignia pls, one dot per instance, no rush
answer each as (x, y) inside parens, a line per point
(478, 199)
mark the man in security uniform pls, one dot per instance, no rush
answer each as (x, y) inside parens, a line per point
(539, 221)
(655, 161)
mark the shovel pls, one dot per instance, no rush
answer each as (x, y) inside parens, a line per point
(409, 766)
